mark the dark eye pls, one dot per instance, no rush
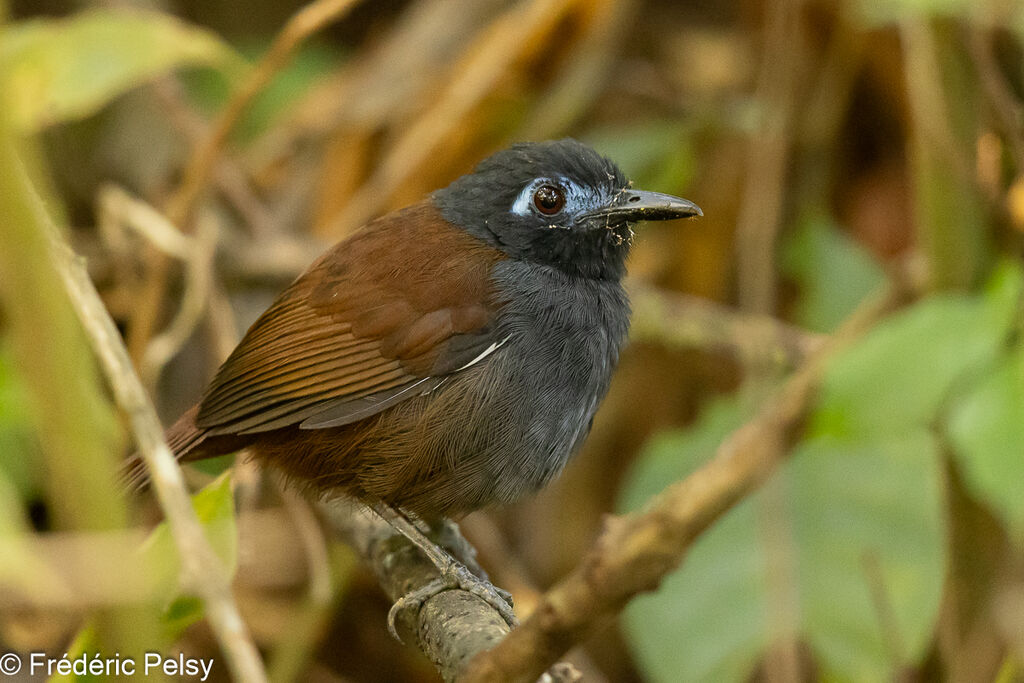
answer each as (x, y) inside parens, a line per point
(548, 199)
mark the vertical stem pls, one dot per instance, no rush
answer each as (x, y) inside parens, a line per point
(949, 213)
(74, 420)
(760, 215)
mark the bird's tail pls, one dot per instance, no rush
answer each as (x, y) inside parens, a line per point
(184, 439)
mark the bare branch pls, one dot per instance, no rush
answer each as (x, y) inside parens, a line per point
(690, 322)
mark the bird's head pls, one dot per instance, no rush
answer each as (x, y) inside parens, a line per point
(557, 203)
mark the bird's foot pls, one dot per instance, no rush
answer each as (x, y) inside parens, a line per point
(454, 575)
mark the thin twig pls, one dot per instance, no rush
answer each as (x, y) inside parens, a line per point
(117, 210)
(635, 552)
(485, 60)
(303, 24)
(201, 164)
(1008, 109)
(202, 570)
(199, 281)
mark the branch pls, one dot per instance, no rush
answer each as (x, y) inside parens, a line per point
(202, 570)
(635, 552)
(690, 322)
(451, 627)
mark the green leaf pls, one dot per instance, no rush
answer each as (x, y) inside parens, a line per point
(987, 432)
(869, 525)
(674, 455)
(861, 521)
(896, 379)
(215, 508)
(54, 70)
(19, 449)
(655, 154)
(706, 622)
(183, 611)
(211, 90)
(85, 642)
(834, 272)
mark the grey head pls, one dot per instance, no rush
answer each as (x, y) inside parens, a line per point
(557, 203)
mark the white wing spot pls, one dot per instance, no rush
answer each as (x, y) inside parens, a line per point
(486, 352)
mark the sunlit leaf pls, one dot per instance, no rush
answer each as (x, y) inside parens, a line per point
(54, 70)
(987, 431)
(215, 508)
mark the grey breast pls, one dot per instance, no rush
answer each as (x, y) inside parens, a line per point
(565, 333)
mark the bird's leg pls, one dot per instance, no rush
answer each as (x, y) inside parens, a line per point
(446, 533)
(454, 574)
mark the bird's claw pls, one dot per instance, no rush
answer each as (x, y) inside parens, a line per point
(455, 576)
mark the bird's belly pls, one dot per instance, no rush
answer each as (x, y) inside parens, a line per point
(545, 401)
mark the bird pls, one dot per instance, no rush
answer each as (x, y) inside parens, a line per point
(446, 357)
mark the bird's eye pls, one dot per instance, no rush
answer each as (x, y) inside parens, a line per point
(548, 199)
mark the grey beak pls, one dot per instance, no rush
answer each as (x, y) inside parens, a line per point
(630, 206)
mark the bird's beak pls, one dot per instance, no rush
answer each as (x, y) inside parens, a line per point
(629, 206)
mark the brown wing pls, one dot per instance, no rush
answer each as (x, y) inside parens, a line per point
(372, 322)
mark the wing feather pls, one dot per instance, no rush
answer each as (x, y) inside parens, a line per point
(355, 334)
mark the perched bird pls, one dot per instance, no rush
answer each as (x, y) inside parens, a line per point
(447, 356)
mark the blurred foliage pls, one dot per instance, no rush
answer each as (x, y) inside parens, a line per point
(890, 544)
(57, 70)
(986, 428)
(834, 273)
(210, 89)
(19, 451)
(639, 149)
(868, 550)
(215, 508)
